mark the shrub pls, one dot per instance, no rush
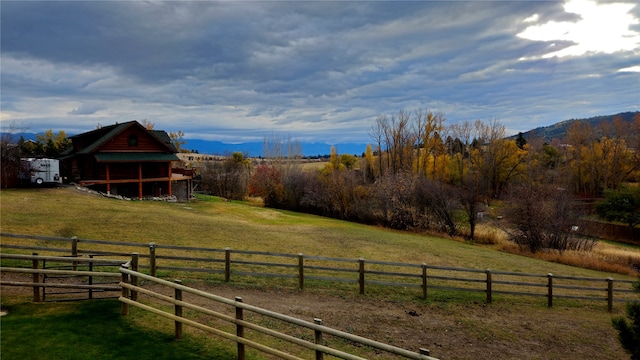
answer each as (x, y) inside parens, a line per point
(629, 332)
(543, 218)
(621, 205)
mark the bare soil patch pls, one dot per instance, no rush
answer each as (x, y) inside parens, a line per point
(450, 330)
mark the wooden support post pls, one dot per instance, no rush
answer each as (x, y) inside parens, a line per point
(240, 329)
(300, 271)
(610, 294)
(424, 351)
(424, 280)
(43, 279)
(227, 264)
(318, 339)
(140, 181)
(152, 258)
(124, 309)
(90, 277)
(108, 178)
(36, 280)
(178, 310)
(361, 277)
(74, 251)
(169, 182)
(549, 290)
(489, 286)
(134, 279)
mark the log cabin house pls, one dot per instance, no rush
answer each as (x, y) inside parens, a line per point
(126, 159)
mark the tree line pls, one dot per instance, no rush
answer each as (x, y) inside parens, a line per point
(422, 174)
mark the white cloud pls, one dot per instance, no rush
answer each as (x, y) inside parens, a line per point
(631, 69)
(602, 28)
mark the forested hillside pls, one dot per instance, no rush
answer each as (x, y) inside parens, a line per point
(559, 130)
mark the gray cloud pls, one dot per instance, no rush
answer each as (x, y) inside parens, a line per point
(315, 70)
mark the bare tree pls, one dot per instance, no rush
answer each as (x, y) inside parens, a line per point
(177, 138)
(543, 217)
(277, 148)
(403, 141)
(470, 194)
(228, 178)
(438, 202)
(461, 131)
(144, 122)
(377, 133)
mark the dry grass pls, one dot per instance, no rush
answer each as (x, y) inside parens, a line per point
(607, 257)
(313, 165)
(486, 235)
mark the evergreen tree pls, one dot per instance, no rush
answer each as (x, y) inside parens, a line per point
(629, 332)
(521, 141)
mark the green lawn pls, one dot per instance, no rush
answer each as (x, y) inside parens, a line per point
(92, 330)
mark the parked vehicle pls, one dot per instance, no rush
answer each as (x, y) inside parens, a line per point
(40, 171)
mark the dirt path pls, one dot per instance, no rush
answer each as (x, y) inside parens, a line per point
(448, 330)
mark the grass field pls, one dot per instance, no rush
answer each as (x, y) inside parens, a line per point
(211, 222)
(509, 329)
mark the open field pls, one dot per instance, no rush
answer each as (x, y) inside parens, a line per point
(460, 328)
(215, 223)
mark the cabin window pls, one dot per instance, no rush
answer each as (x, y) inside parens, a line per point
(133, 140)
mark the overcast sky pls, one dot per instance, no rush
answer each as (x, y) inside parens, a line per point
(238, 71)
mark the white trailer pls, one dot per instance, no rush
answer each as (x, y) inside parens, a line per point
(40, 171)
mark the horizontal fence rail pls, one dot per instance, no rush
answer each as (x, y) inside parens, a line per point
(319, 346)
(64, 275)
(227, 264)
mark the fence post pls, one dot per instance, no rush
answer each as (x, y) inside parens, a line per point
(361, 277)
(301, 271)
(74, 251)
(36, 279)
(489, 286)
(152, 258)
(424, 280)
(227, 264)
(134, 279)
(549, 290)
(43, 279)
(610, 294)
(239, 329)
(90, 277)
(178, 310)
(318, 339)
(124, 309)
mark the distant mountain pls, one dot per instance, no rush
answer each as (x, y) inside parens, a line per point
(559, 130)
(255, 149)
